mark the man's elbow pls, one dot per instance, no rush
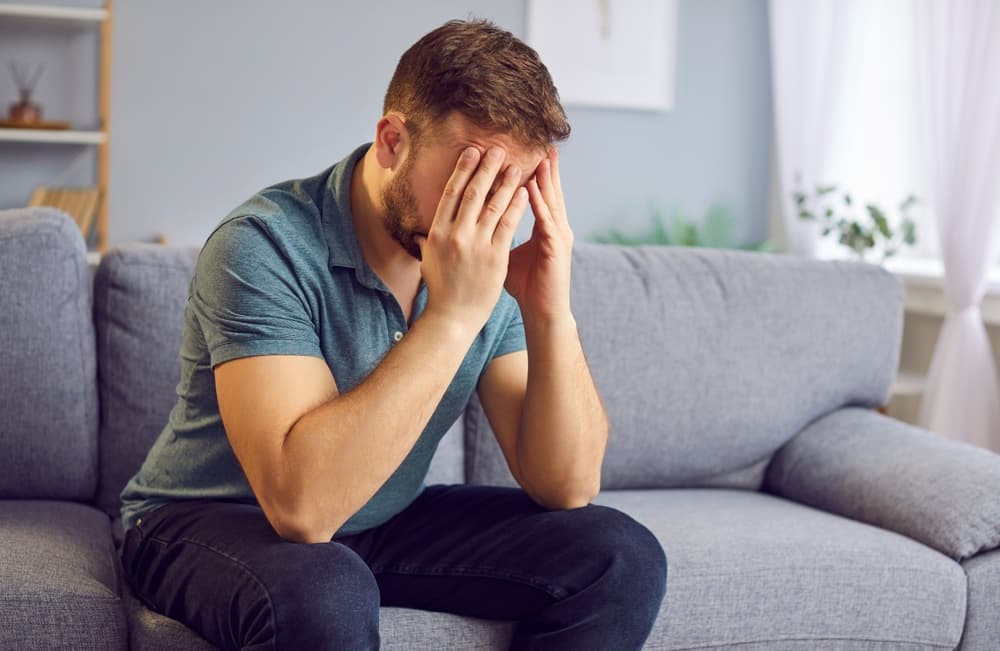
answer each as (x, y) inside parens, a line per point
(300, 527)
(565, 499)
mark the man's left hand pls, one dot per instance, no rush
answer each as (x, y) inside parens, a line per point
(539, 269)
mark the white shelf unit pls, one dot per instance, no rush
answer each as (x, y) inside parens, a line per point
(75, 17)
(48, 12)
(66, 137)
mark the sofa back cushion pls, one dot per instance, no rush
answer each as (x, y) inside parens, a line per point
(48, 388)
(708, 361)
(140, 291)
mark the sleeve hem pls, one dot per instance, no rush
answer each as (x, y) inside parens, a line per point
(237, 349)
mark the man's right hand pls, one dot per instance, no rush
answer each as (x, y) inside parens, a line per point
(467, 249)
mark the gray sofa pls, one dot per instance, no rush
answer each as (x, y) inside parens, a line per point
(740, 388)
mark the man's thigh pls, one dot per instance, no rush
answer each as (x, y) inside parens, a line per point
(492, 552)
(220, 568)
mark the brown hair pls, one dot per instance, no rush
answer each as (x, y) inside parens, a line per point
(486, 74)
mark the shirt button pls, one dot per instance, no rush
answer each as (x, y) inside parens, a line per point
(397, 335)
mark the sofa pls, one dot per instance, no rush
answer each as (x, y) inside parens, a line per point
(742, 390)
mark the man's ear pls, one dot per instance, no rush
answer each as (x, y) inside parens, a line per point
(391, 140)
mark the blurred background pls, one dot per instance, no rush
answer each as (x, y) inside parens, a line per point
(797, 126)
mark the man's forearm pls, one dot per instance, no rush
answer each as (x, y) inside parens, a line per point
(564, 428)
(338, 455)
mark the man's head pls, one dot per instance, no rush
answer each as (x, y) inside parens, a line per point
(465, 83)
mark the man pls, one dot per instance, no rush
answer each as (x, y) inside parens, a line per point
(336, 326)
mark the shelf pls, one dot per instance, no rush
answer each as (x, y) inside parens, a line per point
(53, 135)
(50, 12)
(908, 384)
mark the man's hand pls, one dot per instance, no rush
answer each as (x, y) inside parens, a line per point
(465, 254)
(538, 274)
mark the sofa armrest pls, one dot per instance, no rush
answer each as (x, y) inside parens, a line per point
(862, 465)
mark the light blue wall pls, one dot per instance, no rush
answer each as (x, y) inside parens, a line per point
(214, 100)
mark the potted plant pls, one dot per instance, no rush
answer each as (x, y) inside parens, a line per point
(835, 210)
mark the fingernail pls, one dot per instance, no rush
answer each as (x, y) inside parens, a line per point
(513, 171)
(469, 153)
(494, 153)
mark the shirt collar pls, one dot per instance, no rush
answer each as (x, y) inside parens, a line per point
(341, 238)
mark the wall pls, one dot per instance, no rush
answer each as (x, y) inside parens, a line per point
(213, 100)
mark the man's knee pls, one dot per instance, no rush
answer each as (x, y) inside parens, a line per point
(627, 558)
(327, 599)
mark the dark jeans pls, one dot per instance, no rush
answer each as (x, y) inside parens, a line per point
(589, 578)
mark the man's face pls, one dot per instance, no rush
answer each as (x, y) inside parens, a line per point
(412, 194)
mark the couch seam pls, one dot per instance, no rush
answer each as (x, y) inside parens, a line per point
(799, 568)
(726, 645)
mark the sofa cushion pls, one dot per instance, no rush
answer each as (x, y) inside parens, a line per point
(708, 361)
(752, 569)
(982, 626)
(139, 296)
(58, 579)
(875, 469)
(48, 388)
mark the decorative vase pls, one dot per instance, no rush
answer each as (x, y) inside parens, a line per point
(25, 110)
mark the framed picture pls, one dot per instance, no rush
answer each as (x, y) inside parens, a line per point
(608, 53)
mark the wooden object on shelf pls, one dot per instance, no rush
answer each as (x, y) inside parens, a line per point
(82, 204)
(11, 124)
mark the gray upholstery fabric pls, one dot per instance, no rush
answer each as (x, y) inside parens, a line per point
(151, 631)
(139, 297)
(48, 395)
(58, 581)
(708, 361)
(982, 626)
(448, 464)
(879, 470)
(404, 629)
(754, 569)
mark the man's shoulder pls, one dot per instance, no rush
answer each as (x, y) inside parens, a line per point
(283, 219)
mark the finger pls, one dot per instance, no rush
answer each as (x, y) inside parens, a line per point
(556, 179)
(497, 204)
(546, 185)
(503, 235)
(543, 216)
(451, 198)
(475, 193)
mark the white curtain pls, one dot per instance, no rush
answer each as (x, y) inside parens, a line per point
(959, 71)
(808, 68)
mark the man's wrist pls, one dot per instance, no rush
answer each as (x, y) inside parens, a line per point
(449, 326)
(549, 325)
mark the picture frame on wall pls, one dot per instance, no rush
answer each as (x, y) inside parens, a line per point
(618, 54)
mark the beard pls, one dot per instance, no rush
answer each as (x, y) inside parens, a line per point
(401, 213)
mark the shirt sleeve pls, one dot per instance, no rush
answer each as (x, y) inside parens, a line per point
(512, 338)
(247, 298)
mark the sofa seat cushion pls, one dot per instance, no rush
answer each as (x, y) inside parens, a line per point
(58, 578)
(755, 570)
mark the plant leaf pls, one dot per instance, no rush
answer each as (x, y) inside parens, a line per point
(718, 227)
(880, 221)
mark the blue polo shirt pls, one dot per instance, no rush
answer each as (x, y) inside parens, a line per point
(283, 275)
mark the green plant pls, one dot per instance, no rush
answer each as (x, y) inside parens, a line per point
(836, 211)
(716, 231)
